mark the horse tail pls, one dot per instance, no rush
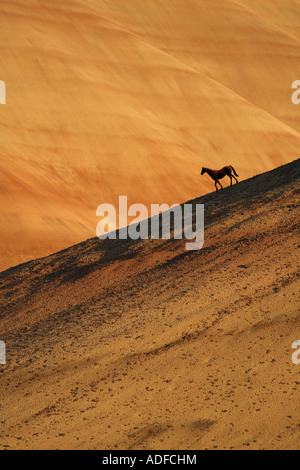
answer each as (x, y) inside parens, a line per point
(235, 173)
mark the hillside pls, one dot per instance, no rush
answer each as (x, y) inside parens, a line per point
(143, 345)
(110, 98)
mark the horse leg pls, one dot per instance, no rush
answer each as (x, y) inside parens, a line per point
(235, 178)
(216, 185)
(217, 181)
(230, 180)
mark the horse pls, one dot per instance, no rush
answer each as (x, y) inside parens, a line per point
(218, 174)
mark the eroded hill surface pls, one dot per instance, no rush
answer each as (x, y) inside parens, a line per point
(143, 345)
(111, 98)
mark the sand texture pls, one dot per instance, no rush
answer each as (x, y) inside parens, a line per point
(144, 345)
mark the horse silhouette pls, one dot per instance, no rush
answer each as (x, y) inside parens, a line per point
(216, 175)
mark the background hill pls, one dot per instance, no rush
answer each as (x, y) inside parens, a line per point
(109, 98)
(132, 345)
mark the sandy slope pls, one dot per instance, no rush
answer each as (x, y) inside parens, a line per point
(108, 98)
(131, 345)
